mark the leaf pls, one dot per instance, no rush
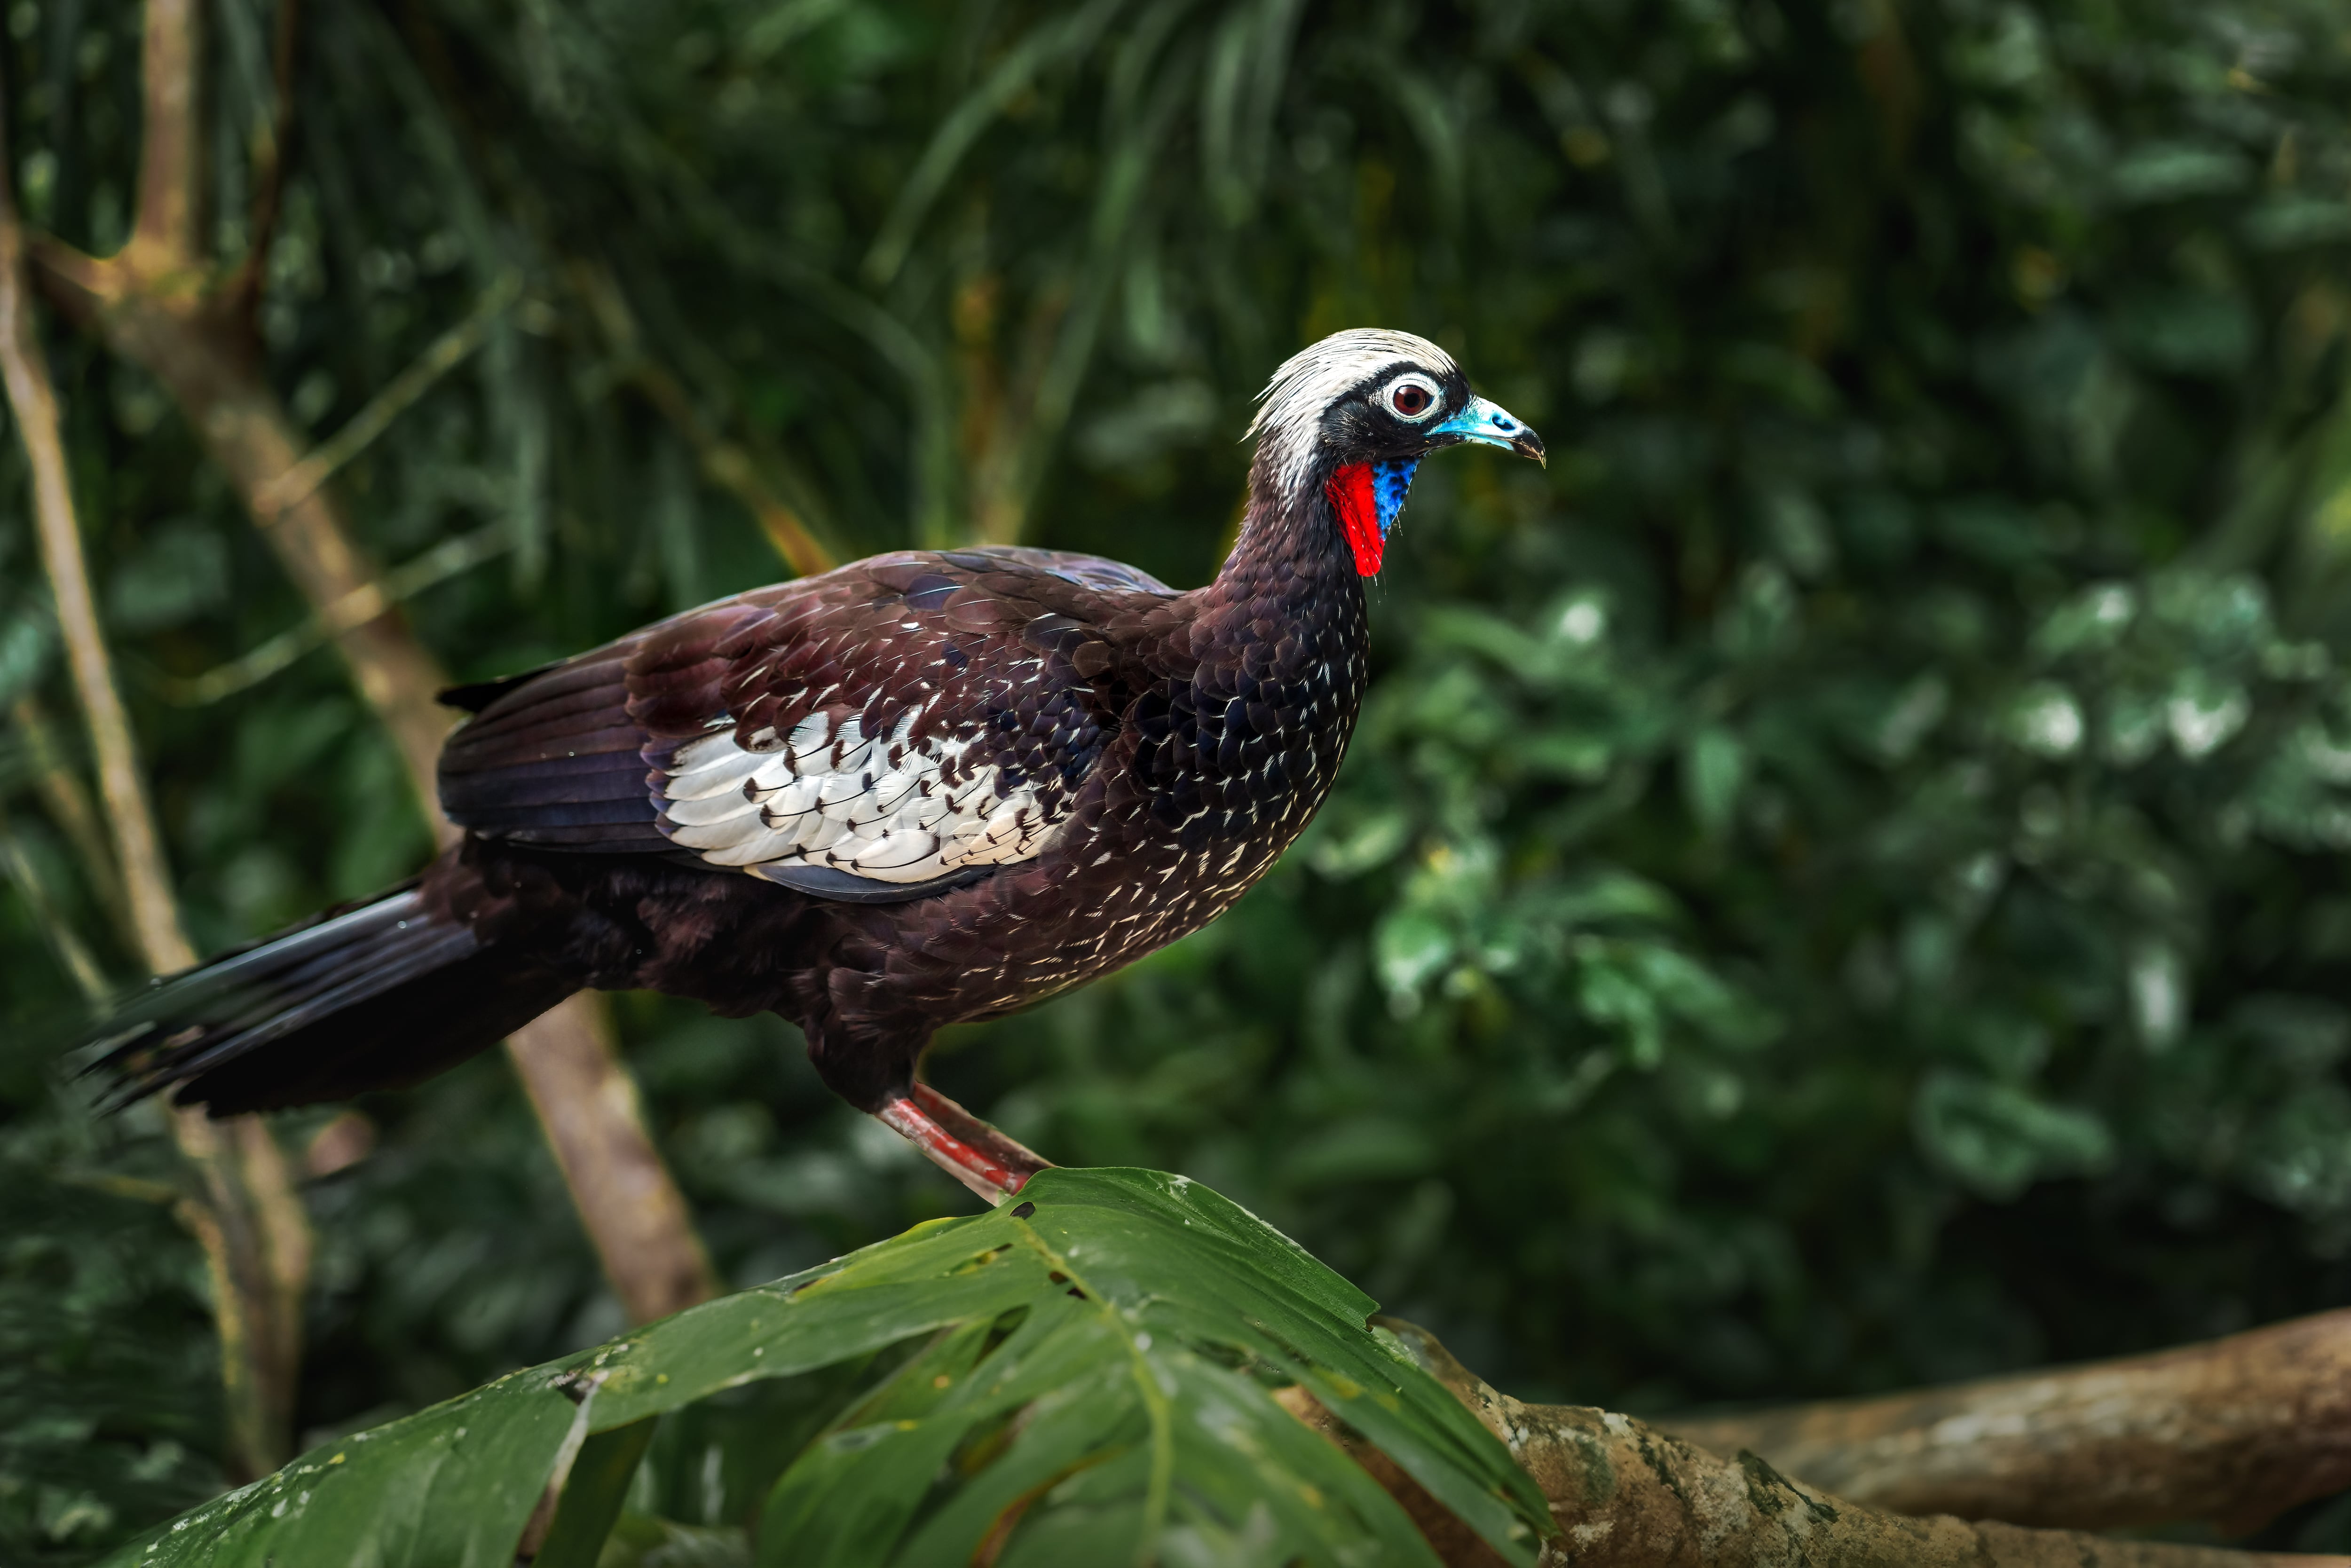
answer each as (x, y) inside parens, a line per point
(2045, 720)
(182, 572)
(1065, 36)
(2287, 222)
(25, 643)
(2168, 171)
(592, 1492)
(452, 1485)
(1714, 769)
(1999, 1139)
(1098, 1367)
(1412, 945)
(1344, 851)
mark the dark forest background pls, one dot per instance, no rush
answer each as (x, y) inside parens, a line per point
(1840, 883)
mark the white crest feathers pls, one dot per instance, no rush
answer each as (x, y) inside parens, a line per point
(1289, 410)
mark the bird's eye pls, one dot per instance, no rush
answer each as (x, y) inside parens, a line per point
(1412, 397)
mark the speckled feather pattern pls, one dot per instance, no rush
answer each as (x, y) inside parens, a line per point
(1115, 762)
(1161, 749)
(922, 789)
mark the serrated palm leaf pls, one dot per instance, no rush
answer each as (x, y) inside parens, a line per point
(1093, 1383)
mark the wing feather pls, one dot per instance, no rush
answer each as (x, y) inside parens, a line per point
(878, 732)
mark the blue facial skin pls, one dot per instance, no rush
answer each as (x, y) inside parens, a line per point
(1390, 480)
(1481, 422)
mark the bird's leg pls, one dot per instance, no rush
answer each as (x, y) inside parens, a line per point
(1008, 1150)
(960, 1144)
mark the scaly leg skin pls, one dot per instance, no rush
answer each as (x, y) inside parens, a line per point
(959, 1143)
(1008, 1151)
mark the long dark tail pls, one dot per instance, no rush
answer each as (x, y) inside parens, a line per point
(379, 995)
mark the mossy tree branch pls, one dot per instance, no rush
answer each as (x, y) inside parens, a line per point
(2234, 1431)
(1627, 1495)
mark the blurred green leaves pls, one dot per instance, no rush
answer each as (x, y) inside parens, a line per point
(1999, 1139)
(1839, 880)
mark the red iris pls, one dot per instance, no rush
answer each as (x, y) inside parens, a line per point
(1410, 399)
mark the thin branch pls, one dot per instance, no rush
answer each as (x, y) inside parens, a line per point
(445, 354)
(69, 807)
(2235, 1432)
(168, 231)
(931, 438)
(1627, 1496)
(88, 978)
(723, 462)
(255, 1236)
(452, 555)
(139, 849)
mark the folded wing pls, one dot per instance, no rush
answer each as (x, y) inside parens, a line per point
(878, 733)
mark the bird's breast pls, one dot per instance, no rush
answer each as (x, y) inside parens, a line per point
(1246, 747)
(1214, 768)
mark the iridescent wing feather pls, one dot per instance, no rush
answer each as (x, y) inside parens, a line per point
(876, 734)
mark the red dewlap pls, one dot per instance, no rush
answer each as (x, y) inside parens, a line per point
(1350, 490)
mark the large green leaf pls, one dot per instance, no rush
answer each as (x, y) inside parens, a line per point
(1093, 1382)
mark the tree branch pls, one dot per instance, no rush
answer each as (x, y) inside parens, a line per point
(456, 554)
(255, 1236)
(169, 228)
(138, 850)
(221, 394)
(1625, 1495)
(158, 304)
(69, 807)
(443, 354)
(2235, 1432)
(587, 1102)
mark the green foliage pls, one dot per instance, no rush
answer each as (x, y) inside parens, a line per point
(1840, 881)
(106, 1369)
(1086, 1377)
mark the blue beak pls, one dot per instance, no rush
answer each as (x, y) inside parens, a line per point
(1493, 425)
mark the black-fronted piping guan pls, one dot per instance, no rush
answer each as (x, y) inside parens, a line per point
(924, 788)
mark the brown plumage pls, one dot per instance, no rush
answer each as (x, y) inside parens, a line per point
(922, 789)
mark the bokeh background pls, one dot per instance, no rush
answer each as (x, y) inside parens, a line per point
(1840, 883)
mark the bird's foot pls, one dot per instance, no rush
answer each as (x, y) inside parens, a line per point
(984, 1160)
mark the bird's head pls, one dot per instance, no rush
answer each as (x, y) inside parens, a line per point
(1350, 418)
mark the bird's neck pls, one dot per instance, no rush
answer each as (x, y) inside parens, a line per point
(1256, 727)
(1290, 577)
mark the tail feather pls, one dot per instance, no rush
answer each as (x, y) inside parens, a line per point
(377, 997)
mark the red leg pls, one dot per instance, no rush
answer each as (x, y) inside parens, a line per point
(959, 1143)
(1008, 1151)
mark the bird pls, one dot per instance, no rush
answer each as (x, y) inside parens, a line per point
(925, 787)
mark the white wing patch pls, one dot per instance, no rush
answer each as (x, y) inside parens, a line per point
(878, 807)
